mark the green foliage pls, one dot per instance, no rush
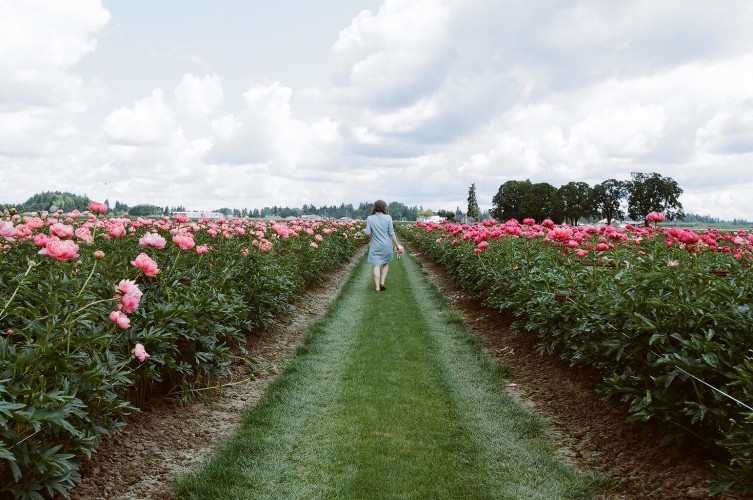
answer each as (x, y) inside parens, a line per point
(145, 210)
(67, 373)
(663, 323)
(54, 200)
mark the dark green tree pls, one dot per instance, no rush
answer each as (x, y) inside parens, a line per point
(653, 193)
(542, 201)
(506, 203)
(145, 210)
(473, 210)
(575, 198)
(606, 199)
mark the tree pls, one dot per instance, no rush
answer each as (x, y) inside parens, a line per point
(542, 201)
(653, 193)
(447, 214)
(606, 199)
(575, 198)
(473, 210)
(506, 203)
(145, 210)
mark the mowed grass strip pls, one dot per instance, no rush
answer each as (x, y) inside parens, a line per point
(388, 397)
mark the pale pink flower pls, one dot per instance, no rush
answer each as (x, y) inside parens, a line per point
(180, 218)
(582, 253)
(7, 231)
(319, 238)
(201, 249)
(33, 222)
(116, 230)
(129, 295)
(62, 250)
(97, 208)
(184, 241)
(153, 240)
(314, 245)
(120, 319)
(41, 239)
(673, 263)
(146, 264)
(140, 352)
(61, 230)
(99, 255)
(84, 234)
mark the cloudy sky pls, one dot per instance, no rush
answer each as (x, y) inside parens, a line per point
(250, 103)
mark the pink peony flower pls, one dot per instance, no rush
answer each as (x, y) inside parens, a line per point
(180, 218)
(116, 230)
(129, 295)
(97, 208)
(153, 240)
(140, 352)
(41, 239)
(201, 249)
(84, 234)
(62, 250)
(99, 255)
(483, 245)
(184, 241)
(120, 319)
(146, 264)
(61, 230)
(7, 231)
(655, 217)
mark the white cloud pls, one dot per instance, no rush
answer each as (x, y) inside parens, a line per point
(267, 131)
(148, 123)
(199, 95)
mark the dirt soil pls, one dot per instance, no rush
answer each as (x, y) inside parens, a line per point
(165, 439)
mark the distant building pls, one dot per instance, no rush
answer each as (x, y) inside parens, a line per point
(201, 215)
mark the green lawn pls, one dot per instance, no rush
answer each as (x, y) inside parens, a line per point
(389, 397)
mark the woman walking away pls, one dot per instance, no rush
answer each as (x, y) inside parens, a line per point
(379, 227)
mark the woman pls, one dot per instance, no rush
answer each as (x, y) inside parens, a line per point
(379, 227)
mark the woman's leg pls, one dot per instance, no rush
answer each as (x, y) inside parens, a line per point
(377, 272)
(385, 268)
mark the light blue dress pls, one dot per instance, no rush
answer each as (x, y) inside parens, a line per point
(379, 227)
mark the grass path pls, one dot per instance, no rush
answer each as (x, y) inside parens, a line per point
(388, 397)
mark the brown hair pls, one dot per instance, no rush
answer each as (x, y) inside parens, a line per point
(379, 206)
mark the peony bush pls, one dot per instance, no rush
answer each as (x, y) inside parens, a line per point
(664, 314)
(99, 313)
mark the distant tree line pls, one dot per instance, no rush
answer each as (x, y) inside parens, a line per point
(576, 201)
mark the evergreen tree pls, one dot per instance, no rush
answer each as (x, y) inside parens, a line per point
(473, 210)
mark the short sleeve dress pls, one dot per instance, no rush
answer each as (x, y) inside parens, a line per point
(379, 227)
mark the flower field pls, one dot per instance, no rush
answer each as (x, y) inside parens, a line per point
(664, 314)
(98, 313)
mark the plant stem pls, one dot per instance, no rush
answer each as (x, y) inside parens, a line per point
(28, 269)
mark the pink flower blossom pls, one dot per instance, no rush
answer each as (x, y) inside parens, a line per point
(655, 217)
(61, 230)
(116, 230)
(180, 218)
(62, 250)
(319, 238)
(201, 249)
(529, 222)
(140, 352)
(129, 295)
(97, 208)
(41, 239)
(99, 255)
(602, 247)
(120, 319)
(483, 245)
(314, 245)
(7, 231)
(146, 264)
(153, 240)
(84, 234)
(184, 241)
